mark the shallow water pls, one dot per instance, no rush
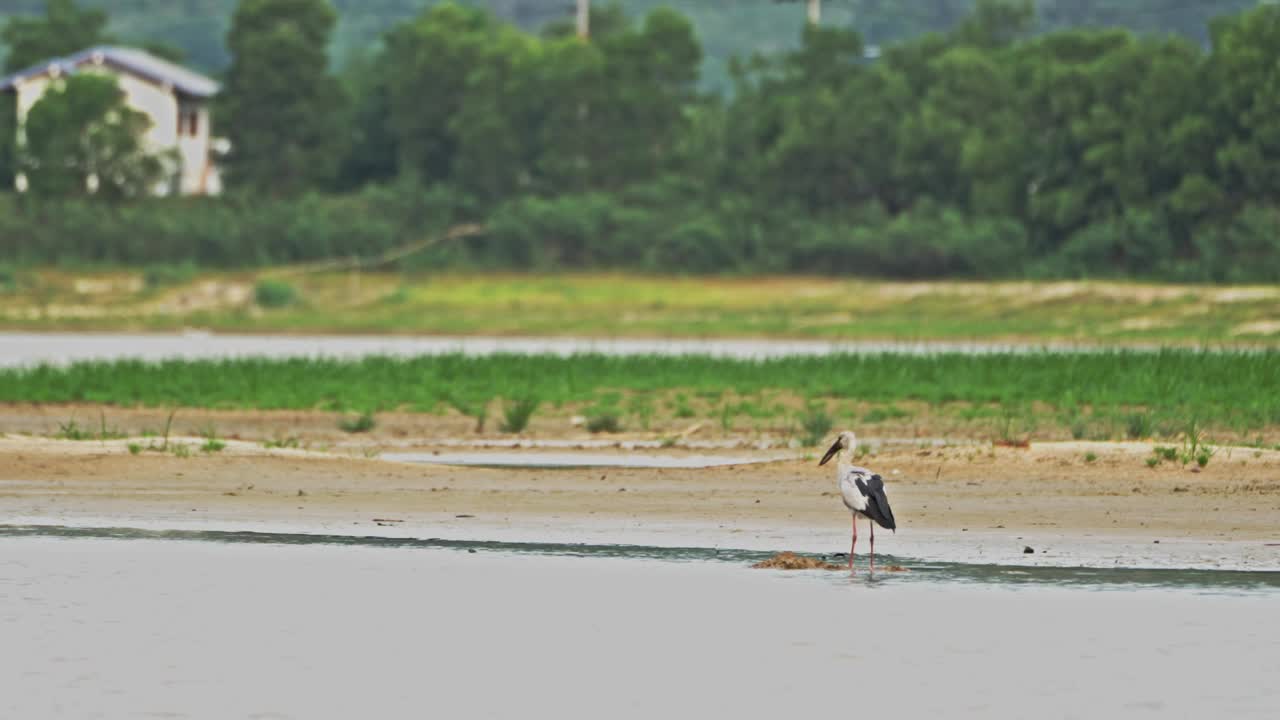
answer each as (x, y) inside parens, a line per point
(576, 459)
(20, 349)
(120, 623)
(575, 446)
(918, 571)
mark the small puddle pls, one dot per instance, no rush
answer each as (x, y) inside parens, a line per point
(577, 460)
(1212, 581)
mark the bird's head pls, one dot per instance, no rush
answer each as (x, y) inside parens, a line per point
(844, 441)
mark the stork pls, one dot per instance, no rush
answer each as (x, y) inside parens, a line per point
(862, 491)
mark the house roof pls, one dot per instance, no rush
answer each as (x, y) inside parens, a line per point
(130, 60)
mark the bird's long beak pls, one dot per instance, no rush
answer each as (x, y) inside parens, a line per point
(830, 453)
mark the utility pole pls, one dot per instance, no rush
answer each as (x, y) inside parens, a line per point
(584, 18)
(815, 12)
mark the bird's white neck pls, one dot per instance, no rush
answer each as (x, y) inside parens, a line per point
(844, 460)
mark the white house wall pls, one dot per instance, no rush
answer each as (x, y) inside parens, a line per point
(29, 93)
(156, 102)
(194, 151)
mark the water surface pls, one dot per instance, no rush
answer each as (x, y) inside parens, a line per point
(577, 459)
(119, 623)
(22, 349)
(918, 571)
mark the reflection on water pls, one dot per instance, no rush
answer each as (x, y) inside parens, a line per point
(919, 571)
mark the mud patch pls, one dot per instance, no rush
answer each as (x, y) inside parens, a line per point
(791, 561)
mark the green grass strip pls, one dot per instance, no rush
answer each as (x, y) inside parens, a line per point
(1240, 390)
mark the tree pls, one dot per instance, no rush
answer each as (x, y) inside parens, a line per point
(283, 112)
(496, 127)
(997, 23)
(510, 112)
(650, 77)
(1245, 100)
(8, 137)
(82, 138)
(819, 126)
(371, 146)
(64, 29)
(574, 137)
(427, 63)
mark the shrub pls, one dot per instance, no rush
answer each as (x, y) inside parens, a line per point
(362, 423)
(1245, 249)
(515, 416)
(478, 409)
(274, 293)
(1079, 428)
(683, 409)
(816, 423)
(1137, 243)
(161, 275)
(605, 421)
(1138, 426)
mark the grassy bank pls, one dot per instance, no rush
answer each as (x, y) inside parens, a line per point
(1095, 396)
(628, 305)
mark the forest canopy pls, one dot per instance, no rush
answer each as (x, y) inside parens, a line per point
(987, 150)
(729, 28)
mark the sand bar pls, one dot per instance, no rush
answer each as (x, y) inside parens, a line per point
(966, 503)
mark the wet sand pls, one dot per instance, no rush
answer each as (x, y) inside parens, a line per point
(965, 503)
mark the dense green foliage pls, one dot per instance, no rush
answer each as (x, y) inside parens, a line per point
(8, 132)
(984, 151)
(274, 293)
(234, 232)
(65, 28)
(281, 108)
(83, 129)
(1240, 391)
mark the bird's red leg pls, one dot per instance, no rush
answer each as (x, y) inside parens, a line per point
(853, 544)
(872, 525)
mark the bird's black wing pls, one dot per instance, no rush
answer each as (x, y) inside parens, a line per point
(877, 502)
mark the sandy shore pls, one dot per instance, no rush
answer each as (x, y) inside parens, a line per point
(964, 503)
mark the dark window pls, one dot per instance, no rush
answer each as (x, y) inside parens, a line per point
(188, 122)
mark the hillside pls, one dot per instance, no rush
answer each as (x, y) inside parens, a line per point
(726, 27)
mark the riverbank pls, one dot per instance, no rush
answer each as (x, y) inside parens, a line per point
(638, 306)
(964, 504)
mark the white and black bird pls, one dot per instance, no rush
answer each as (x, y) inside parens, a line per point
(862, 491)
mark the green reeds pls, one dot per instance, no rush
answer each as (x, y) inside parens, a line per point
(1240, 390)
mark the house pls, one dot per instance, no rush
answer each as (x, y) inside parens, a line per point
(175, 98)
